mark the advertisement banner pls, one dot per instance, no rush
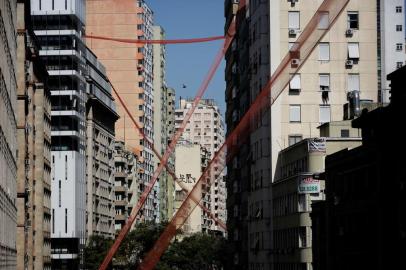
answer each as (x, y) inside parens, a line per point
(308, 185)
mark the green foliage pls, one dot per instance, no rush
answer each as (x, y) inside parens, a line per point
(198, 251)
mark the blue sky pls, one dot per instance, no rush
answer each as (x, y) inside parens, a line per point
(189, 63)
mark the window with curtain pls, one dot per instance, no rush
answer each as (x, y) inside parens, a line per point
(325, 114)
(353, 51)
(294, 19)
(294, 113)
(324, 52)
(353, 82)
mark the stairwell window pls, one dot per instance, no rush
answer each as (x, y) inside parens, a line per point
(294, 113)
(324, 52)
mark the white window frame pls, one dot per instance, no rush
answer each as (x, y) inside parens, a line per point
(349, 22)
(324, 20)
(324, 52)
(294, 19)
(324, 80)
(353, 83)
(322, 118)
(353, 51)
(295, 82)
(295, 113)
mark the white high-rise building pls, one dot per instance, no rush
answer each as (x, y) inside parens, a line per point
(391, 42)
(206, 127)
(59, 26)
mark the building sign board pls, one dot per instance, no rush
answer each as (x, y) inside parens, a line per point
(308, 185)
(317, 145)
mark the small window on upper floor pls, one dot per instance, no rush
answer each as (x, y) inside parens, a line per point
(352, 20)
(399, 47)
(345, 133)
(399, 28)
(294, 19)
(324, 52)
(398, 9)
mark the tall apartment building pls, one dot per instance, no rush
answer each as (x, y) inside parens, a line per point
(206, 128)
(8, 131)
(59, 26)
(130, 69)
(391, 42)
(343, 62)
(160, 120)
(170, 125)
(191, 160)
(126, 183)
(34, 148)
(101, 116)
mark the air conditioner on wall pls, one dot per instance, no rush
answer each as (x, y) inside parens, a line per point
(295, 63)
(293, 31)
(349, 32)
(349, 63)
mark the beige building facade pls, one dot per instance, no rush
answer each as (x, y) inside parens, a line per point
(34, 148)
(190, 161)
(206, 128)
(101, 116)
(130, 69)
(296, 187)
(8, 131)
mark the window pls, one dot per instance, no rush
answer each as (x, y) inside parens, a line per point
(399, 46)
(66, 220)
(324, 20)
(294, 19)
(53, 4)
(66, 4)
(40, 4)
(398, 28)
(59, 194)
(294, 139)
(294, 84)
(353, 82)
(325, 113)
(139, 26)
(324, 82)
(345, 133)
(324, 52)
(353, 51)
(53, 220)
(399, 9)
(294, 113)
(352, 20)
(399, 64)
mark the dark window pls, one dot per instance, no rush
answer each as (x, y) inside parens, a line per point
(399, 28)
(345, 133)
(66, 220)
(53, 4)
(66, 4)
(294, 139)
(352, 20)
(398, 9)
(53, 220)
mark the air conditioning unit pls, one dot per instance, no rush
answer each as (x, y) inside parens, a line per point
(293, 1)
(293, 32)
(349, 32)
(349, 63)
(295, 63)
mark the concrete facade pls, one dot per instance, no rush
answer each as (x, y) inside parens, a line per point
(206, 128)
(391, 39)
(34, 147)
(344, 61)
(130, 69)
(170, 124)
(191, 159)
(100, 122)
(8, 131)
